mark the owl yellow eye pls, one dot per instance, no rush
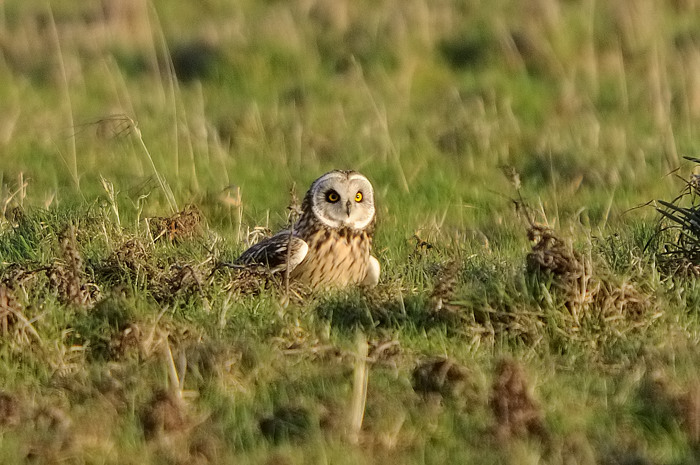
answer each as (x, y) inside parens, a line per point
(358, 197)
(332, 196)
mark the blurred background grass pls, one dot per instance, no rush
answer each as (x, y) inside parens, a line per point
(593, 103)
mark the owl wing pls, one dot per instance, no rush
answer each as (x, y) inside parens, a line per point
(272, 252)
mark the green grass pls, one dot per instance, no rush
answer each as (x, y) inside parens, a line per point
(118, 347)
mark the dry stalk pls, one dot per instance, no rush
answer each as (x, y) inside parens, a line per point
(359, 388)
(176, 381)
(294, 212)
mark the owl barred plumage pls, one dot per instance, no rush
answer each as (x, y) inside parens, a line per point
(331, 242)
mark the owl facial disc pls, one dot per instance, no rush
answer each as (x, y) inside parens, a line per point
(343, 199)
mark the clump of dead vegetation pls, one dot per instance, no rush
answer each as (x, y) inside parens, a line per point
(516, 412)
(109, 331)
(572, 275)
(20, 277)
(81, 283)
(444, 288)
(182, 225)
(14, 323)
(180, 281)
(67, 276)
(176, 432)
(555, 258)
(246, 280)
(559, 273)
(131, 257)
(165, 281)
(680, 232)
(670, 400)
(164, 414)
(564, 297)
(444, 377)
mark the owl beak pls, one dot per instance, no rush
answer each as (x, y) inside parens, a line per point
(347, 207)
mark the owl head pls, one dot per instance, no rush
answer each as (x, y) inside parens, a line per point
(342, 199)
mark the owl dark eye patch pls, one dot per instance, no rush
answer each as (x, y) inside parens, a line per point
(332, 196)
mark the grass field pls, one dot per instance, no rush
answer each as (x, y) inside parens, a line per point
(534, 305)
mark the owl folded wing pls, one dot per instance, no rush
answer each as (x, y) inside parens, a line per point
(272, 252)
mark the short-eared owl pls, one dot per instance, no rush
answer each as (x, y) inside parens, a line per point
(332, 240)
